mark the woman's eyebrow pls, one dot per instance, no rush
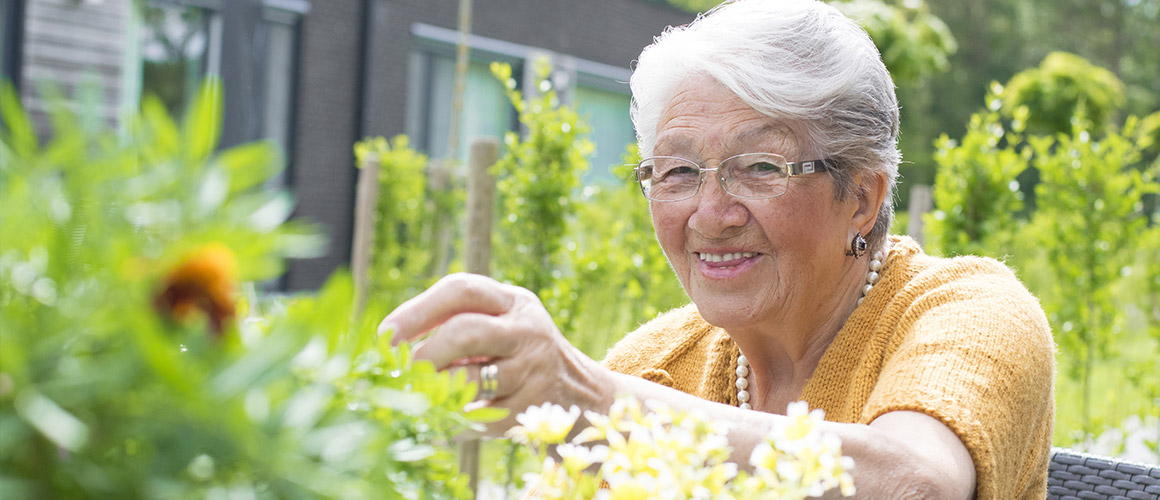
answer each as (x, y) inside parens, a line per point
(761, 135)
(675, 144)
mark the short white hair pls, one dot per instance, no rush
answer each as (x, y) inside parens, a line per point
(800, 62)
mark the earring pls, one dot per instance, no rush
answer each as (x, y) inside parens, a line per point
(857, 246)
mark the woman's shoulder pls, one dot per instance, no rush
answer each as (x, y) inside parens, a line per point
(917, 272)
(954, 295)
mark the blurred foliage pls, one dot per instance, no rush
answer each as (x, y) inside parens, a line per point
(613, 247)
(129, 369)
(977, 195)
(1063, 86)
(1087, 250)
(402, 261)
(1000, 38)
(1089, 220)
(536, 177)
(914, 43)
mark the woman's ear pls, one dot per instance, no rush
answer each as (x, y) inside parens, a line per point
(870, 194)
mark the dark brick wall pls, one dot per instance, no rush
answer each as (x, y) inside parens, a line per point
(607, 31)
(329, 110)
(323, 172)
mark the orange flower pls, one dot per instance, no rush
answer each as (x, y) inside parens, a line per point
(204, 281)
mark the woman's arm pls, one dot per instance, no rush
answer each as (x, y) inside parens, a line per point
(465, 321)
(900, 455)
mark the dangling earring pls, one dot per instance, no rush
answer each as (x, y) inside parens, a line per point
(857, 246)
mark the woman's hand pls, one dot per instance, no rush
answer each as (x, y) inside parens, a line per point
(473, 321)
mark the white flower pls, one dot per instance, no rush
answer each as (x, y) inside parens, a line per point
(546, 424)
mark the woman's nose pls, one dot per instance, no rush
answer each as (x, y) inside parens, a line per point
(716, 210)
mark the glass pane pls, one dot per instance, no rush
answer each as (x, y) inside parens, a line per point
(486, 110)
(607, 115)
(174, 43)
(4, 34)
(279, 79)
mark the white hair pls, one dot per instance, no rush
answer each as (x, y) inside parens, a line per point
(800, 62)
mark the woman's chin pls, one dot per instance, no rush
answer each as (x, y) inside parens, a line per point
(724, 313)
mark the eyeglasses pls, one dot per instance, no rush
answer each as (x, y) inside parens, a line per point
(752, 176)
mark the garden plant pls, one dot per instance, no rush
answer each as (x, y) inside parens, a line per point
(129, 366)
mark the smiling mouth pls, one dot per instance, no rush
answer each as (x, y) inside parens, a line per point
(725, 257)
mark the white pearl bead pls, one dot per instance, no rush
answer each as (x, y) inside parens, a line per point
(872, 277)
(741, 360)
(742, 371)
(866, 289)
(860, 300)
(875, 265)
(742, 383)
(743, 396)
(878, 255)
(745, 406)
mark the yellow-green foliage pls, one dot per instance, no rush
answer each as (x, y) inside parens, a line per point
(403, 259)
(129, 370)
(1062, 87)
(613, 247)
(1089, 223)
(1088, 250)
(537, 177)
(975, 192)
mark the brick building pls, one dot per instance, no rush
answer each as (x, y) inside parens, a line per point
(317, 75)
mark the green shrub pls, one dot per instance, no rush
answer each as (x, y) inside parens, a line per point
(1089, 222)
(976, 195)
(1062, 87)
(537, 178)
(128, 368)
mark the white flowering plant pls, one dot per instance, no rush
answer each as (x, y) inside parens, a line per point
(652, 451)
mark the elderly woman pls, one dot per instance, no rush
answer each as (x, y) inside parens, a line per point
(769, 130)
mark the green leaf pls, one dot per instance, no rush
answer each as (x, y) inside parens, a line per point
(17, 132)
(487, 414)
(56, 424)
(202, 127)
(249, 165)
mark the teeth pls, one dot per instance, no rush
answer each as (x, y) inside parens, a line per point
(712, 257)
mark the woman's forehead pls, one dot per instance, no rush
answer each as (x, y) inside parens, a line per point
(709, 138)
(704, 114)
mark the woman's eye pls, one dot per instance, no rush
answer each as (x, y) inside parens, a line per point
(679, 173)
(763, 169)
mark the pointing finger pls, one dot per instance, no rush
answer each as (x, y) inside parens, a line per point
(454, 294)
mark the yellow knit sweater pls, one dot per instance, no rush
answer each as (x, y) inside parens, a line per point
(958, 339)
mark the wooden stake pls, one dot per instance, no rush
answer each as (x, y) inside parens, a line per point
(366, 197)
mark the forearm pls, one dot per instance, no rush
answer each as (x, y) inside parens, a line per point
(901, 455)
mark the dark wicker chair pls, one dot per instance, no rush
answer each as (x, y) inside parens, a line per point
(1073, 475)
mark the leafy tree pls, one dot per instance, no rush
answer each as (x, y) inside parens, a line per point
(1063, 86)
(537, 177)
(976, 193)
(914, 42)
(402, 260)
(1088, 221)
(613, 247)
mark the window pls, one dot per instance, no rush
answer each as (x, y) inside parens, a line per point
(11, 35)
(595, 89)
(175, 44)
(430, 94)
(181, 43)
(606, 112)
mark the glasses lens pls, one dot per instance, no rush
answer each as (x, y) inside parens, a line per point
(758, 175)
(668, 179)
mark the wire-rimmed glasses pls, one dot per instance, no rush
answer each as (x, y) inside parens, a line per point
(752, 176)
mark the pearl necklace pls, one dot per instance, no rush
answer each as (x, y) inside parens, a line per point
(743, 364)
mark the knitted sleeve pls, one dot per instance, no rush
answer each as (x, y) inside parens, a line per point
(975, 351)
